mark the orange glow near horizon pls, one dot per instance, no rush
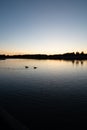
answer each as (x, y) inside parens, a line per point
(21, 53)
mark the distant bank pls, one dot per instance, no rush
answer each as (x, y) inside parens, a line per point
(66, 56)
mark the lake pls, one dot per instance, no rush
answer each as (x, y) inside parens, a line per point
(53, 95)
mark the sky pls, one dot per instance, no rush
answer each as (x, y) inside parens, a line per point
(43, 26)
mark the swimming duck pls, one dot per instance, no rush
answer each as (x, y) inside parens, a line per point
(26, 67)
(35, 67)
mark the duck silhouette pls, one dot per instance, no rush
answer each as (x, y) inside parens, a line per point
(35, 67)
(26, 67)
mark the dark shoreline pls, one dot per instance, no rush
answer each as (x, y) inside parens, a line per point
(66, 56)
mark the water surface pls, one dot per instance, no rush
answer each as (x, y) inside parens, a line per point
(53, 94)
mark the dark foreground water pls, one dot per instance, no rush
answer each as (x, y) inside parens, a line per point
(52, 96)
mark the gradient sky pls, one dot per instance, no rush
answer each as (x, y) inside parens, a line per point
(43, 26)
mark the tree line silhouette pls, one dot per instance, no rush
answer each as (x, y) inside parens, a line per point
(65, 56)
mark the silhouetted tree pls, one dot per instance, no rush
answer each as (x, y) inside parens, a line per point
(77, 53)
(82, 53)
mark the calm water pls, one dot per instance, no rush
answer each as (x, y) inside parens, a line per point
(52, 96)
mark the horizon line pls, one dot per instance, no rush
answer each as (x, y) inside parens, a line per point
(77, 52)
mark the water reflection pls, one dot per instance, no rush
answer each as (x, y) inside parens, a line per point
(78, 62)
(54, 92)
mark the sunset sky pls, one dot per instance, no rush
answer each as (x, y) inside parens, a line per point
(43, 26)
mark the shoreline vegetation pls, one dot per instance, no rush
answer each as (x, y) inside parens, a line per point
(65, 56)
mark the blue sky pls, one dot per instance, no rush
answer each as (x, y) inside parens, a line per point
(43, 26)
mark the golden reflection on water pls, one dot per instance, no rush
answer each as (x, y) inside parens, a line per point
(44, 64)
